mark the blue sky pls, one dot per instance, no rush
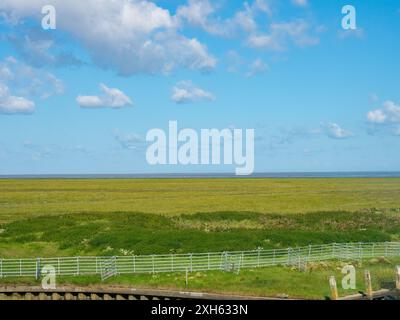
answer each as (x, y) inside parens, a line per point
(80, 98)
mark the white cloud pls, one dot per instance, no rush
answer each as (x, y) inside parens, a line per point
(257, 67)
(358, 33)
(376, 116)
(25, 83)
(300, 3)
(234, 61)
(203, 14)
(264, 41)
(129, 36)
(29, 81)
(388, 114)
(110, 98)
(283, 34)
(38, 49)
(245, 23)
(89, 101)
(197, 13)
(334, 131)
(134, 37)
(38, 152)
(56, 84)
(131, 141)
(237, 64)
(10, 104)
(186, 92)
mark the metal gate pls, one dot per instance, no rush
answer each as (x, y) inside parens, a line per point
(108, 268)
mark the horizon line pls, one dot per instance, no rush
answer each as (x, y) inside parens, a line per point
(277, 174)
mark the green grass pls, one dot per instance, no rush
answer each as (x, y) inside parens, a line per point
(139, 233)
(50, 218)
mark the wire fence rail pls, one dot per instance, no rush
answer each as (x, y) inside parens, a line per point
(192, 262)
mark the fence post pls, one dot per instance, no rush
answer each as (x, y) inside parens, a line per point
(386, 248)
(309, 252)
(20, 267)
(299, 258)
(348, 247)
(134, 263)
(333, 287)
(242, 258)
(208, 261)
(360, 251)
(274, 258)
(77, 266)
(368, 284)
(398, 249)
(172, 262)
(152, 260)
(398, 277)
(191, 262)
(37, 276)
(59, 266)
(258, 257)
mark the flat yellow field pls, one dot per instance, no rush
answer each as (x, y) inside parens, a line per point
(29, 198)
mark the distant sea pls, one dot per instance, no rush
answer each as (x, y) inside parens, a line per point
(378, 174)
